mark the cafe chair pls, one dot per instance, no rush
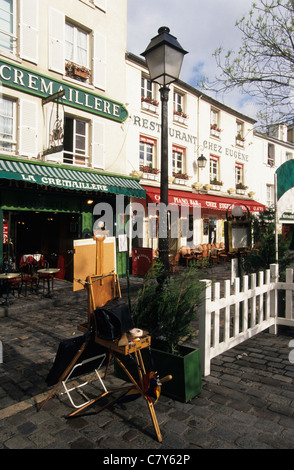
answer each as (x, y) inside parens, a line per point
(14, 284)
(28, 278)
(186, 254)
(214, 255)
(174, 262)
(223, 256)
(44, 277)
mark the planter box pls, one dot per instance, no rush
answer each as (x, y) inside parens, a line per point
(185, 370)
(150, 107)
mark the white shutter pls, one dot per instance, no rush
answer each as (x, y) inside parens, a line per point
(98, 137)
(99, 61)
(28, 125)
(100, 4)
(56, 40)
(29, 30)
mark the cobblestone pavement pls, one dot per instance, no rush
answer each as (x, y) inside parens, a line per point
(246, 403)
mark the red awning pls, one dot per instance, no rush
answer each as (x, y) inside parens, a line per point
(205, 201)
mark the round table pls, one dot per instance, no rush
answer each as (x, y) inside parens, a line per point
(48, 271)
(5, 277)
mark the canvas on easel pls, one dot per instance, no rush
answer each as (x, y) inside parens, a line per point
(93, 256)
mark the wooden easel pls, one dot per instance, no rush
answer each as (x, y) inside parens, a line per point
(101, 288)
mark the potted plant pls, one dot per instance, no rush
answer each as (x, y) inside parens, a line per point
(166, 307)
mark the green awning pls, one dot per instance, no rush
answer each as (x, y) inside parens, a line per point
(61, 176)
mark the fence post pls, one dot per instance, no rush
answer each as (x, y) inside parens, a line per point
(274, 276)
(289, 294)
(205, 328)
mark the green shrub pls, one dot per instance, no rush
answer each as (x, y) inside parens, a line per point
(166, 306)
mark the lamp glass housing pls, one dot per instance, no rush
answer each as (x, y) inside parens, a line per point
(164, 57)
(202, 161)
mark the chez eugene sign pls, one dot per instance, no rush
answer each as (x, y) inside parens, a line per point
(186, 138)
(39, 85)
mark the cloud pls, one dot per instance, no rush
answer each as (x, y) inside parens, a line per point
(201, 26)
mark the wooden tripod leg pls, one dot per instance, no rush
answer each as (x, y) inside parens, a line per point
(65, 373)
(150, 404)
(107, 366)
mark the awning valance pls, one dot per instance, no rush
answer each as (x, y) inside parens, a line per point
(204, 201)
(60, 176)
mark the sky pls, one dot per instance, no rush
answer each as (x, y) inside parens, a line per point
(201, 26)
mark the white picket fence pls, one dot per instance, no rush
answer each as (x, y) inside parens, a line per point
(228, 320)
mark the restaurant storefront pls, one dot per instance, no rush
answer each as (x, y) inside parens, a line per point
(206, 224)
(44, 207)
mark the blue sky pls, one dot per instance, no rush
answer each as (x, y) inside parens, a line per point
(200, 27)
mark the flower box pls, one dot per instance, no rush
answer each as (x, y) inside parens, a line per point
(149, 100)
(183, 176)
(149, 169)
(77, 71)
(240, 141)
(215, 130)
(150, 107)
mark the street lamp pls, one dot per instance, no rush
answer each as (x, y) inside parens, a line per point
(164, 58)
(201, 161)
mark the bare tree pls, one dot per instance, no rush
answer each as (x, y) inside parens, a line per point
(264, 65)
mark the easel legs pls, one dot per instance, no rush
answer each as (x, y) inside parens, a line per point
(136, 385)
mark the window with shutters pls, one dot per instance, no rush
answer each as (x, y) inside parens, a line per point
(7, 125)
(8, 23)
(75, 141)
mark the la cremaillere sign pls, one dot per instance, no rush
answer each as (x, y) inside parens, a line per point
(39, 85)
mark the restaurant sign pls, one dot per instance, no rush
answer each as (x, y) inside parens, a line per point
(35, 84)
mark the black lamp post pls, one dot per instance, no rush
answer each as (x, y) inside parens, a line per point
(164, 58)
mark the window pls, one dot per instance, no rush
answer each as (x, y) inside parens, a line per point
(147, 153)
(7, 25)
(178, 160)
(271, 155)
(178, 102)
(148, 95)
(7, 125)
(239, 173)
(75, 141)
(240, 133)
(289, 156)
(76, 52)
(270, 195)
(146, 88)
(215, 123)
(179, 106)
(214, 169)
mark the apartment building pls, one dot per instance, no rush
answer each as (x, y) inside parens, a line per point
(62, 123)
(199, 126)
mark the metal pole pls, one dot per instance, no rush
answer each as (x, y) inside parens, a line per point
(163, 243)
(276, 220)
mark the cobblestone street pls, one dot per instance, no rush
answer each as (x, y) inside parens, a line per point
(246, 403)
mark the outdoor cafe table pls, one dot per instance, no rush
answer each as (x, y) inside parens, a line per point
(5, 277)
(48, 272)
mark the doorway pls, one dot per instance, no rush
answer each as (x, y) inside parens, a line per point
(48, 233)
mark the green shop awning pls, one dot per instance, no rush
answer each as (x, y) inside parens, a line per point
(60, 176)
